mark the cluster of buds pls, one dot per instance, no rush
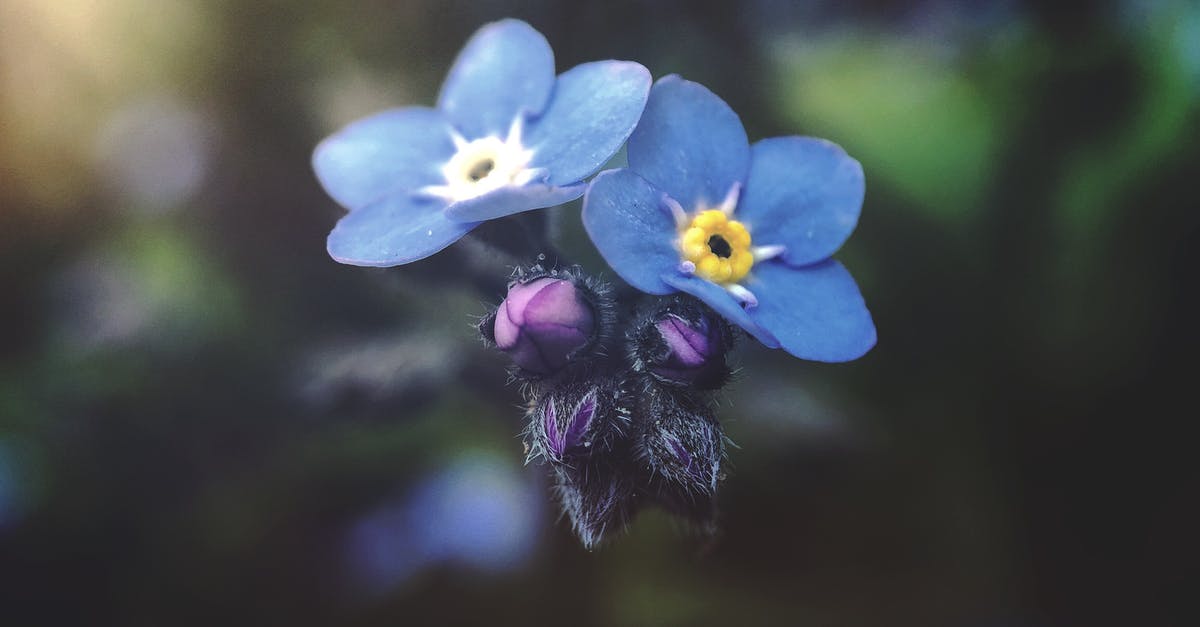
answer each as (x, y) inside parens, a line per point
(619, 400)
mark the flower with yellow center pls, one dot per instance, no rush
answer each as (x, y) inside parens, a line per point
(761, 257)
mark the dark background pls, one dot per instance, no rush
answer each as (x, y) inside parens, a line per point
(204, 420)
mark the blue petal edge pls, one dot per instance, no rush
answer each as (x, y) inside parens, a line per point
(506, 69)
(509, 200)
(816, 312)
(721, 302)
(383, 154)
(623, 216)
(804, 194)
(394, 231)
(594, 108)
(689, 143)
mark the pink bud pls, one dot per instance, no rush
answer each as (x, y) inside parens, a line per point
(542, 323)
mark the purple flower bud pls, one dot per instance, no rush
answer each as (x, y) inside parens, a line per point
(680, 442)
(599, 499)
(578, 420)
(681, 343)
(542, 323)
(560, 440)
(677, 449)
(693, 349)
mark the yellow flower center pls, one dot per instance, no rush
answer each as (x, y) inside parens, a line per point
(719, 247)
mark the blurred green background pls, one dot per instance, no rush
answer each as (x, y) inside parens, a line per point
(204, 420)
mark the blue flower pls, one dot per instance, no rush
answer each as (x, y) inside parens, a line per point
(507, 136)
(749, 230)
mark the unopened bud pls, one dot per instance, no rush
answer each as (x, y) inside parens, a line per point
(543, 323)
(683, 344)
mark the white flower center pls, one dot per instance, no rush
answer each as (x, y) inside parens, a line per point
(484, 165)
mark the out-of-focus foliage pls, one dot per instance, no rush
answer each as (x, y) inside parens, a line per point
(905, 107)
(203, 417)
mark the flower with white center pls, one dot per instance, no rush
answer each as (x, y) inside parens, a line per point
(749, 230)
(507, 136)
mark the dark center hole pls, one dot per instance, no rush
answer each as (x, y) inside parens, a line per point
(480, 170)
(719, 246)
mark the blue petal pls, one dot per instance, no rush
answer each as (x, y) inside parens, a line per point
(594, 108)
(509, 200)
(505, 69)
(689, 143)
(394, 231)
(722, 302)
(389, 152)
(816, 311)
(804, 194)
(624, 216)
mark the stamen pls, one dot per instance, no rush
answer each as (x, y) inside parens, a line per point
(532, 174)
(763, 253)
(728, 205)
(743, 295)
(515, 129)
(460, 142)
(677, 212)
(435, 191)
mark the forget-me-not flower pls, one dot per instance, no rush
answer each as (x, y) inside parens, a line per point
(507, 136)
(749, 230)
